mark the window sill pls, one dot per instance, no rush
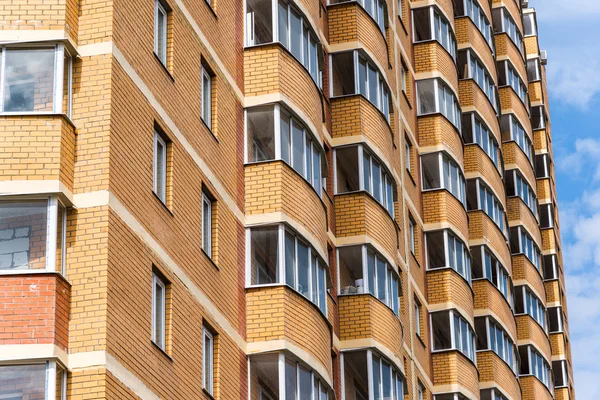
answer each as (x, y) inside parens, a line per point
(212, 10)
(212, 133)
(163, 203)
(210, 259)
(32, 272)
(207, 394)
(164, 67)
(162, 351)
(403, 25)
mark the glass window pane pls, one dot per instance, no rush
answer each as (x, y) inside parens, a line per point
(373, 85)
(298, 148)
(290, 257)
(367, 171)
(376, 378)
(303, 269)
(296, 35)
(262, 16)
(261, 134)
(347, 179)
(263, 255)
(381, 275)
(305, 384)
(371, 272)
(342, 74)
(386, 378)
(426, 96)
(285, 137)
(25, 381)
(376, 181)
(362, 77)
(290, 379)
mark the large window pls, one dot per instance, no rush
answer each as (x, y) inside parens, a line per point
(508, 76)
(36, 80)
(534, 71)
(289, 27)
(273, 133)
(522, 243)
(159, 313)
(492, 394)
(368, 375)
(473, 10)
(277, 255)
(533, 363)
(542, 165)
(208, 351)
(452, 332)
(526, 302)
(513, 130)
(516, 185)
(160, 166)
(550, 266)
(363, 270)
(491, 336)
(481, 197)
(446, 250)
(538, 117)
(546, 216)
(32, 236)
(430, 24)
(356, 168)
(529, 24)
(474, 130)
(487, 266)
(353, 73)
(560, 373)
(42, 380)
(471, 67)
(503, 22)
(434, 96)
(555, 319)
(440, 171)
(277, 376)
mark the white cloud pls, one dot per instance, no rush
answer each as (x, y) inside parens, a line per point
(562, 10)
(572, 79)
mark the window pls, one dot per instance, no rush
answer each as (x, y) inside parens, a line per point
(440, 171)
(473, 10)
(297, 264)
(358, 169)
(481, 197)
(293, 32)
(534, 71)
(551, 267)
(207, 360)
(522, 243)
(492, 394)
(516, 185)
(470, 67)
(411, 232)
(420, 390)
(546, 216)
(159, 311)
(297, 146)
(491, 336)
(504, 23)
(160, 31)
(160, 166)
(533, 363)
(529, 24)
(363, 270)
(474, 130)
(508, 76)
(404, 77)
(367, 374)
(206, 96)
(446, 250)
(434, 96)
(430, 24)
(538, 117)
(298, 381)
(417, 316)
(555, 319)
(452, 332)
(32, 236)
(526, 302)
(407, 154)
(36, 80)
(207, 224)
(513, 130)
(560, 373)
(42, 380)
(487, 266)
(542, 165)
(353, 73)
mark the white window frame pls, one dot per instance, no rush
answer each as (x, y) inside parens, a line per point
(456, 343)
(207, 220)
(160, 31)
(206, 109)
(407, 155)
(417, 316)
(440, 85)
(411, 231)
(159, 341)
(208, 348)
(396, 375)
(161, 192)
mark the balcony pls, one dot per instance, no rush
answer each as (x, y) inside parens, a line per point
(531, 332)
(510, 102)
(468, 35)
(479, 164)
(453, 368)
(493, 369)
(506, 49)
(520, 214)
(441, 207)
(490, 301)
(473, 98)
(433, 57)
(368, 374)
(514, 157)
(445, 286)
(533, 388)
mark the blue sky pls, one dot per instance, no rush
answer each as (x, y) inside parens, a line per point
(570, 31)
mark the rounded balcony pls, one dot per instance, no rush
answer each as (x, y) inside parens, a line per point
(531, 45)
(525, 271)
(468, 35)
(549, 240)
(454, 368)
(355, 116)
(506, 49)
(529, 331)
(520, 214)
(367, 322)
(479, 164)
(544, 190)
(281, 74)
(446, 286)
(542, 141)
(483, 230)
(473, 98)
(557, 344)
(493, 369)
(442, 208)
(434, 58)
(490, 301)
(512, 8)
(436, 130)
(359, 215)
(514, 157)
(280, 318)
(553, 289)
(349, 22)
(532, 388)
(276, 191)
(562, 393)
(511, 103)
(536, 94)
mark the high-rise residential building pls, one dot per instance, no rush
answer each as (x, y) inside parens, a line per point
(278, 199)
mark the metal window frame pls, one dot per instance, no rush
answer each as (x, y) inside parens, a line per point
(207, 220)
(162, 191)
(160, 30)
(208, 347)
(160, 342)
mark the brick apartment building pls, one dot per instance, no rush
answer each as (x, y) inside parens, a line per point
(278, 199)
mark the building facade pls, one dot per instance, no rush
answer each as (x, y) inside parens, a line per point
(278, 199)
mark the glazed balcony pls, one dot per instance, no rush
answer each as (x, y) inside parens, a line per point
(550, 240)
(506, 49)
(493, 369)
(515, 157)
(479, 164)
(524, 271)
(529, 331)
(520, 214)
(446, 286)
(473, 98)
(534, 389)
(468, 35)
(557, 344)
(433, 57)
(453, 368)
(436, 130)
(442, 208)
(510, 102)
(545, 190)
(490, 301)
(483, 230)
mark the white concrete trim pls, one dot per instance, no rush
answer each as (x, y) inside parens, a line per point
(91, 199)
(436, 226)
(29, 187)
(453, 388)
(365, 239)
(208, 306)
(450, 305)
(370, 343)
(31, 35)
(279, 345)
(487, 312)
(22, 353)
(87, 360)
(129, 379)
(95, 49)
(210, 176)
